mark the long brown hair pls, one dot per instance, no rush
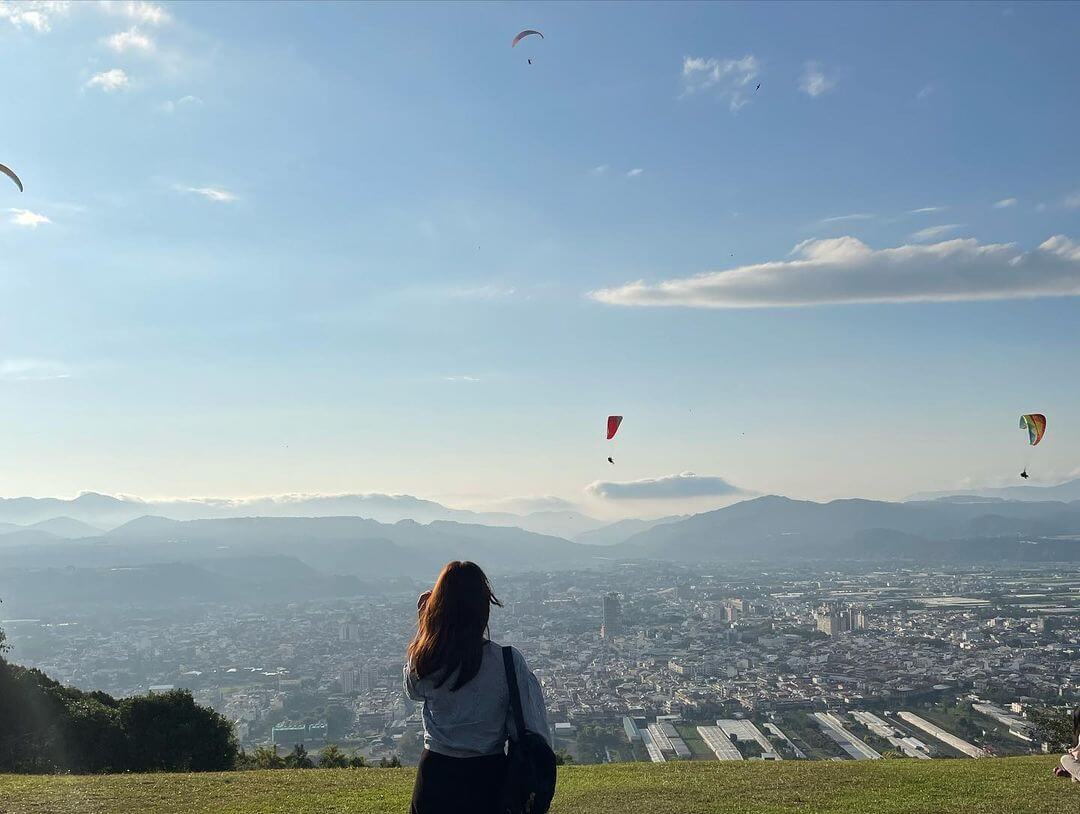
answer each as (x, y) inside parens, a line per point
(453, 622)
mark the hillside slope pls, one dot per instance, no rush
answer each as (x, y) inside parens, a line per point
(1014, 785)
(775, 526)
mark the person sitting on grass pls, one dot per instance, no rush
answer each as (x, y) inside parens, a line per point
(1070, 761)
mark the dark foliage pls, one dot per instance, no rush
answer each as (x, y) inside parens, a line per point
(47, 727)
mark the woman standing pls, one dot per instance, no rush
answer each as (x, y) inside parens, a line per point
(459, 675)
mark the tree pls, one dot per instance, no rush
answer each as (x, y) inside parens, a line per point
(95, 740)
(267, 757)
(298, 758)
(357, 762)
(563, 758)
(394, 762)
(1053, 727)
(170, 732)
(333, 758)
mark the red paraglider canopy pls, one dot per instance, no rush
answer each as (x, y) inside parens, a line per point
(613, 422)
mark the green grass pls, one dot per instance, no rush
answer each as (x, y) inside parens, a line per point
(1013, 785)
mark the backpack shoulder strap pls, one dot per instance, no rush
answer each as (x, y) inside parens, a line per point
(512, 685)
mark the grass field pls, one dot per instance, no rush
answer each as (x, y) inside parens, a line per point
(1014, 785)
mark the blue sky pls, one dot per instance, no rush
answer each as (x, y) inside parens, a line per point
(369, 248)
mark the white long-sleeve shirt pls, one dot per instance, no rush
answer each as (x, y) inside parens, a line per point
(476, 719)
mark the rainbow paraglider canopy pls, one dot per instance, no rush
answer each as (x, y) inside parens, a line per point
(1035, 424)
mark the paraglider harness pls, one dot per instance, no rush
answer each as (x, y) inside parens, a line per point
(530, 764)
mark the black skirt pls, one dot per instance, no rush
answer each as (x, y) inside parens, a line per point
(458, 785)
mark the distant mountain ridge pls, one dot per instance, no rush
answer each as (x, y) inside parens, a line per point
(773, 526)
(106, 512)
(1066, 492)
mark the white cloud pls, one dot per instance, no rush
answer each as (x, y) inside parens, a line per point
(184, 102)
(925, 210)
(1005, 203)
(130, 40)
(855, 216)
(668, 487)
(813, 81)
(467, 379)
(109, 81)
(846, 270)
(481, 292)
(36, 15)
(1073, 201)
(634, 173)
(600, 169)
(32, 370)
(216, 194)
(24, 217)
(137, 10)
(934, 232)
(731, 79)
(925, 91)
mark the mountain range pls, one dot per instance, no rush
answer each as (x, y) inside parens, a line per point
(161, 559)
(772, 527)
(107, 512)
(1067, 491)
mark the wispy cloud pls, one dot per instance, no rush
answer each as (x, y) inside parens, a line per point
(130, 40)
(110, 81)
(846, 270)
(925, 91)
(1072, 201)
(532, 503)
(465, 379)
(1005, 203)
(32, 370)
(635, 172)
(854, 216)
(24, 217)
(934, 232)
(668, 487)
(926, 210)
(599, 169)
(35, 15)
(183, 103)
(216, 194)
(481, 292)
(814, 82)
(730, 79)
(137, 10)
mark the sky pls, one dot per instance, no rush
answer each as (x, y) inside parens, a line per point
(329, 248)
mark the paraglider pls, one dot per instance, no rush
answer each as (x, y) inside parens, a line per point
(11, 174)
(527, 32)
(613, 423)
(1035, 424)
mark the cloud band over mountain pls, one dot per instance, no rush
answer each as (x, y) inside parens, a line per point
(667, 487)
(846, 270)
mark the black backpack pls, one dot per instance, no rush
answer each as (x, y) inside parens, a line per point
(530, 763)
